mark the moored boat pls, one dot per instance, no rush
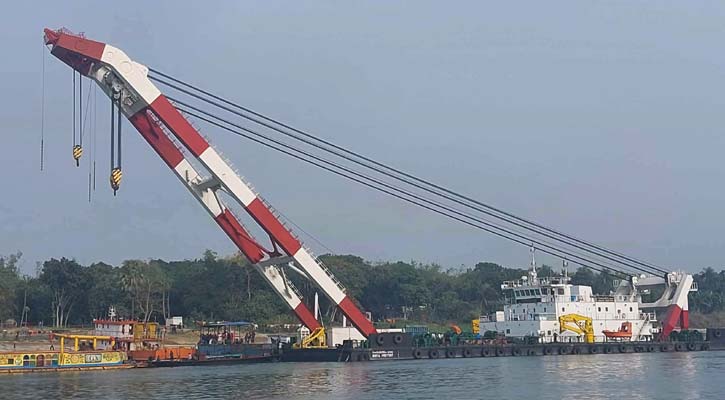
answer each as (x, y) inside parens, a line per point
(81, 357)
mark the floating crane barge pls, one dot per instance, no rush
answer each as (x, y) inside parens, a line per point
(206, 174)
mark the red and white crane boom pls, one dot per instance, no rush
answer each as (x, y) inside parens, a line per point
(153, 115)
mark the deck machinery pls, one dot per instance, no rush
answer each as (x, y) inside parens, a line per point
(204, 173)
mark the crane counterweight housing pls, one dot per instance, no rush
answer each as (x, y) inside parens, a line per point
(158, 121)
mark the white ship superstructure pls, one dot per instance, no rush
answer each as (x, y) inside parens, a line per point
(534, 306)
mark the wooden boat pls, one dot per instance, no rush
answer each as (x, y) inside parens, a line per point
(83, 357)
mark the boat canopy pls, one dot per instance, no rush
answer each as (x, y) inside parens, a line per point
(219, 324)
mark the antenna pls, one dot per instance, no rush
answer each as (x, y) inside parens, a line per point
(533, 258)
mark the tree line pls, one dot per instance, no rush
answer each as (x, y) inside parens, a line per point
(64, 292)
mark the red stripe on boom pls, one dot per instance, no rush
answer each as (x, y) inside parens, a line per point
(179, 126)
(356, 317)
(76, 51)
(306, 317)
(156, 138)
(273, 226)
(239, 236)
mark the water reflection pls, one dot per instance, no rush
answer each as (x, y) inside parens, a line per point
(631, 376)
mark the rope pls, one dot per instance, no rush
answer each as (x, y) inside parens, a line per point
(89, 106)
(42, 114)
(446, 193)
(416, 199)
(95, 136)
(80, 108)
(120, 115)
(113, 161)
(74, 108)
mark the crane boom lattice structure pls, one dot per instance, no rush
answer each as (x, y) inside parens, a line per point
(159, 122)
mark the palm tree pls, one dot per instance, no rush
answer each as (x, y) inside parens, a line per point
(131, 277)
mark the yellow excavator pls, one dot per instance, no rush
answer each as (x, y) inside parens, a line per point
(314, 340)
(578, 324)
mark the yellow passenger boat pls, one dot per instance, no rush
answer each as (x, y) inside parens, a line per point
(82, 357)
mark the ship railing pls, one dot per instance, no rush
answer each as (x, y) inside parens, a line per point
(558, 339)
(648, 316)
(570, 298)
(512, 284)
(546, 316)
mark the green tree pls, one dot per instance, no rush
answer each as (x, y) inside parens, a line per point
(9, 279)
(67, 281)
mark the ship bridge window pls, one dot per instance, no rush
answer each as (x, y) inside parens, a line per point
(538, 292)
(560, 290)
(528, 292)
(544, 290)
(630, 309)
(606, 308)
(518, 293)
(599, 309)
(11, 361)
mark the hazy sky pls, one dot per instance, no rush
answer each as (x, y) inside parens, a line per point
(603, 119)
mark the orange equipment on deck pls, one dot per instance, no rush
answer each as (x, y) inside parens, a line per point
(624, 332)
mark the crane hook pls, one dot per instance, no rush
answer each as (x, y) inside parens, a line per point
(77, 153)
(116, 176)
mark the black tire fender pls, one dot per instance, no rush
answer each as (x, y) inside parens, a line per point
(467, 353)
(417, 353)
(398, 338)
(380, 340)
(691, 347)
(433, 354)
(485, 352)
(450, 353)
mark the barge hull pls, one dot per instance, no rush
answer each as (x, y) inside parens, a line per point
(398, 347)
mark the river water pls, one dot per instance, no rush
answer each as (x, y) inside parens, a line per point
(698, 375)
